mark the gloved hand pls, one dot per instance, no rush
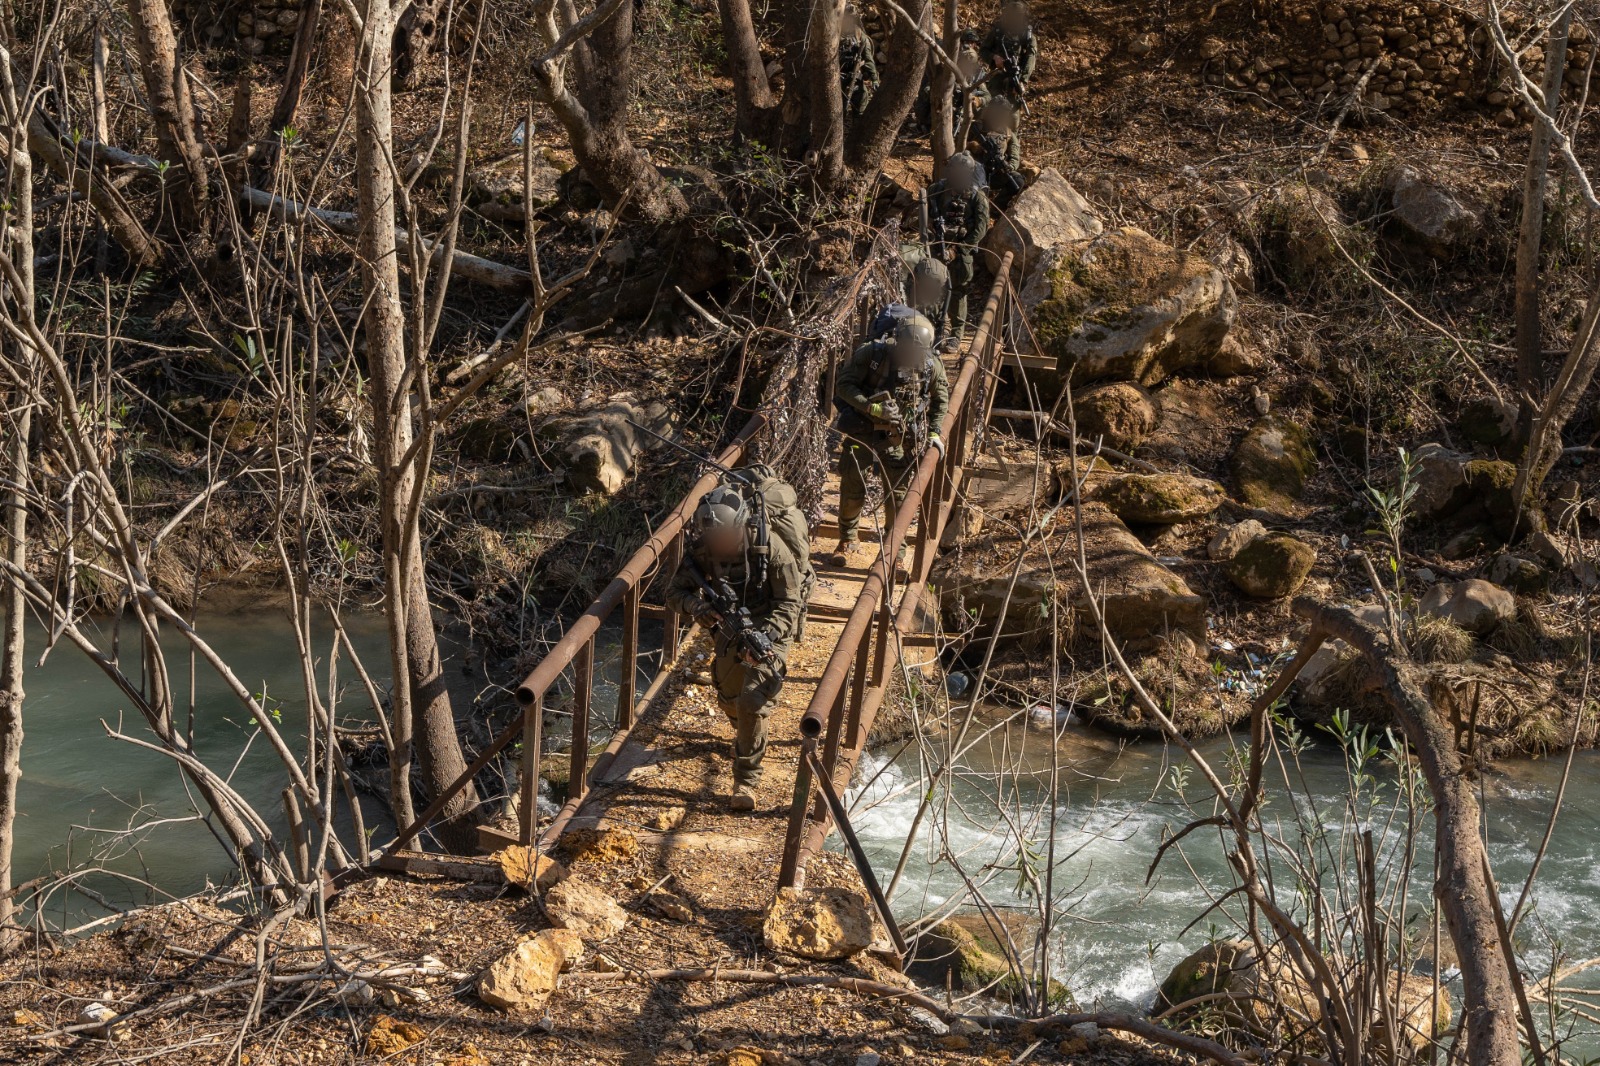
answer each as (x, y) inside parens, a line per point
(706, 615)
(935, 441)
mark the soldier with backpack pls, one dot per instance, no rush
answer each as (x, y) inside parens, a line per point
(956, 213)
(1012, 52)
(892, 396)
(746, 576)
(996, 144)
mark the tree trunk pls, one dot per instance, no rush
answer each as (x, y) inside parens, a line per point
(294, 79)
(794, 112)
(907, 55)
(596, 120)
(752, 92)
(1530, 357)
(171, 107)
(1489, 1013)
(422, 719)
(941, 108)
(825, 154)
(18, 231)
(1550, 419)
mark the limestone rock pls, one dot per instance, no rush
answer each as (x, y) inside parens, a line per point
(1047, 214)
(1235, 262)
(498, 194)
(1120, 413)
(527, 869)
(1429, 214)
(1232, 540)
(1235, 359)
(546, 401)
(1272, 462)
(1302, 229)
(1143, 602)
(824, 923)
(1160, 499)
(1272, 566)
(1464, 491)
(1518, 573)
(525, 976)
(606, 845)
(1128, 307)
(1487, 420)
(599, 448)
(390, 1036)
(584, 909)
(1221, 966)
(1476, 605)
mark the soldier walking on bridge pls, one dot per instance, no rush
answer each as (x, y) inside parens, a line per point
(926, 288)
(956, 214)
(746, 577)
(1011, 52)
(893, 395)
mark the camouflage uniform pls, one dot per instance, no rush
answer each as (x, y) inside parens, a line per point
(922, 394)
(747, 693)
(1001, 156)
(958, 221)
(1024, 50)
(938, 311)
(858, 71)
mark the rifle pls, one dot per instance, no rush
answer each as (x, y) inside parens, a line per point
(742, 632)
(1014, 72)
(994, 157)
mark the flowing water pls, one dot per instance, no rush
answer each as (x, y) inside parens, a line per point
(1119, 934)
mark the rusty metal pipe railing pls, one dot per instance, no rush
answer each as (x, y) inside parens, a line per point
(875, 600)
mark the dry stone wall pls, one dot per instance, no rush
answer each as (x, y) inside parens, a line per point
(1421, 55)
(261, 27)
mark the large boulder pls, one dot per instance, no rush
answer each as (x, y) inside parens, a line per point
(498, 193)
(524, 977)
(1476, 605)
(1428, 214)
(1271, 566)
(1143, 602)
(1120, 413)
(824, 923)
(1487, 420)
(1272, 462)
(598, 449)
(1045, 215)
(1159, 499)
(526, 868)
(1128, 307)
(1461, 492)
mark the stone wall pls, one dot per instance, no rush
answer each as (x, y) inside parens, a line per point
(1421, 55)
(260, 27)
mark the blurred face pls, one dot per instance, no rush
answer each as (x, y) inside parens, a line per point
(994, 120)
(850, 23)
(925, 290)
(1014, 21)
(961, 178)
(908, 355)
(967, 63)
(724, 543)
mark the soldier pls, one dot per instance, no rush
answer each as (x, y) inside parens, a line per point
(1011, 52)
(893, 394)
(971, 91)
(998, 147)
(744, 583)
(957, 214)
(858, 66)
(926, 288)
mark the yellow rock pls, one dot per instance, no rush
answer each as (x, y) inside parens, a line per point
(390, 1036)
(745, 1056)
(469, 1055)
(27, 1019)
(602, 845)
(526, 868)
(955, 1042)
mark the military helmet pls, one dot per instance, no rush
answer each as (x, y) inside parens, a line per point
(930, 271)
(721, 522)
(913, 340)
(998, 115)
(961, 172)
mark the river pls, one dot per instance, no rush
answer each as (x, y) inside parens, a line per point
(1117, 936)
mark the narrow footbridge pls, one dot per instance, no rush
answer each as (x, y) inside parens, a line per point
(664, 774)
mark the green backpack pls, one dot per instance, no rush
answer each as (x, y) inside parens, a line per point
(778, 510)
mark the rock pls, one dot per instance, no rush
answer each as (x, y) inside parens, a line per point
(599, 448)
(1047, 214)
(527, 869)
(1143, 602)
(1143, 44)
(1476, 605)
(1271, 566)
(606, 845)
(1120, 413)
(1159, 499)
(1429, 214)
(823, 923)
(584, 909)
(547, 400)
(1232, 540)
(1235, 359)
(1272, 462)
(1351, 151)
(487, 440)
(666, 820)
(497, 194)
(1235, 262)
(1487, 420)
(1219, 967)
(1302, 229)
(1440, 477)
(524, 977)
(390, 1036)
(1319, 668)
(948, 956)
(670, 905)
(1127, 307)
(1212, 47)
(1518, 573)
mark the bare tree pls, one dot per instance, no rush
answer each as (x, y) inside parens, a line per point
(753, 99)
(166, 84)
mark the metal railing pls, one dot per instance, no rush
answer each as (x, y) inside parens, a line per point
(857, 677)
(659, 555)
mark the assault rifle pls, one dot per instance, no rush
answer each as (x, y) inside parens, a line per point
(1002, 177)
(752, 643)
(1013, 71)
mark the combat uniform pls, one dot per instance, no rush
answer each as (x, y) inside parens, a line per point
(923, 396)
(858, 71)
(1000, 152)
(1023, 51)
(937, 310)
(958, 221)
(747, 693)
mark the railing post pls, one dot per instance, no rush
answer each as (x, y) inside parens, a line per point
(669, 639)
(858, 688)
(830, 743)
(583, 691)
(532, 740)
(628, 681)
(880, 665)
(788, 871)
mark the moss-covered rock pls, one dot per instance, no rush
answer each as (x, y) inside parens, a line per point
(1306, 238)
(1128, 307)
(1487, 420)
(1160, 499)
(1272, 566)
(1120, 413)
(965, 955)
(1272, 462)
